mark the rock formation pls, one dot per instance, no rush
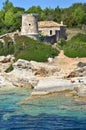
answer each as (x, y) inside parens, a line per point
(47, 77)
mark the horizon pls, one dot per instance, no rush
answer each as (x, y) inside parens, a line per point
(43, 4)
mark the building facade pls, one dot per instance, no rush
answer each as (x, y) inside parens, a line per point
(49, 28)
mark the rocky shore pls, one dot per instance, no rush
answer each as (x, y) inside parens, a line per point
(57, 75)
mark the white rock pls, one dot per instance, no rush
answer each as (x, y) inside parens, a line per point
(50, 60)
(52, 84)
(5, 83)
(2, 58)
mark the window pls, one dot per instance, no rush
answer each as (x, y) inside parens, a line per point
(50, 32)
(29, 24)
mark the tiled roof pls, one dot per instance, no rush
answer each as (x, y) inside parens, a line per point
(42, 24)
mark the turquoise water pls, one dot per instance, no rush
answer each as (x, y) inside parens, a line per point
(49, 113)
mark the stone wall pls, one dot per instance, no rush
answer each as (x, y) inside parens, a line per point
(49, 39)
(63, 32)
(46, 31)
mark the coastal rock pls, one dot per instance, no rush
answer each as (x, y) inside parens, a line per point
(26, 69)
(5, 83)
(52, 84)
(43, 69)
(81, 90)
(79, 84)
(22, 74)
(73, 74)
(5, 59)
(26, 72)
(22, 64)
(22, 69)
(2, 59)
(81, 64)
(79, 72)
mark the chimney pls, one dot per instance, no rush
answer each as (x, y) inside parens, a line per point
(61, 22)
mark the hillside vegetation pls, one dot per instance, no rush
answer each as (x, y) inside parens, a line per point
(76, 47)
(28, 49)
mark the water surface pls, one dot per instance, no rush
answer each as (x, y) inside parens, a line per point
(49, 113)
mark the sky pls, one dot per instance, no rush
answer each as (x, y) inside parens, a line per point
(43, 3)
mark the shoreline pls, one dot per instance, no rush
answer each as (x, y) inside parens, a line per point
(47, 78)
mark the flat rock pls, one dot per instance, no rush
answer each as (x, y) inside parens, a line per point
(51, 84)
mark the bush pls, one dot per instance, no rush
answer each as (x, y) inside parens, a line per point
(62, 42)
(79, 37)
(29, 49)
(76, 47)
(7, 47)
(9, 69)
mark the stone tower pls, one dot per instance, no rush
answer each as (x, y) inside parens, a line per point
(30, 25)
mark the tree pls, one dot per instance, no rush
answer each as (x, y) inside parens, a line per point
(57, 14)
(48, 13)
(7, 5)
(9, 17)
(78, 15)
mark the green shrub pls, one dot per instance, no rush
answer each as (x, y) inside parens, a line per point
(29, 49)
(62, 42)
(9, 69)
(76, 47)
(7, 47)
(79, 37)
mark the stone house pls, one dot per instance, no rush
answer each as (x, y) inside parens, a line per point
(49, 28)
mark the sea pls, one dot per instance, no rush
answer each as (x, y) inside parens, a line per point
(59, 112)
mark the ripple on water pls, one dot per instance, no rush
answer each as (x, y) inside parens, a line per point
(50, 113)
(43, 121)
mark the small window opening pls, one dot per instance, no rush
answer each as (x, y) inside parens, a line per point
(50, 32)
(29, 24)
